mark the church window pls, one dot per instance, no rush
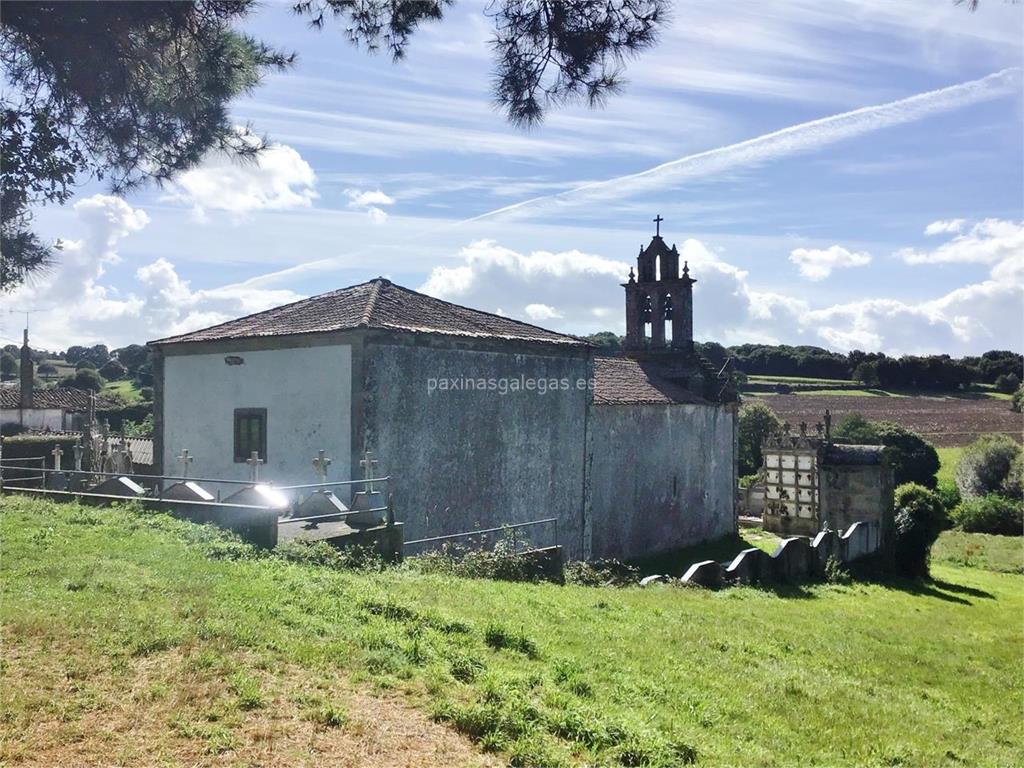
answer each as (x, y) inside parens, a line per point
(250, 433)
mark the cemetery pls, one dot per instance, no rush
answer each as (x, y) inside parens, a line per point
(351, 415)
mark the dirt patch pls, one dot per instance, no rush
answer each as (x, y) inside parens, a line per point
(943, 421)
(189, 708)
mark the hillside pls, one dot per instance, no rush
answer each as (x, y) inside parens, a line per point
(134, 639)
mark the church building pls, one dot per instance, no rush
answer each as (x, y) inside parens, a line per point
(480, 419)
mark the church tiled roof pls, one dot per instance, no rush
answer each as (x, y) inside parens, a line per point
(379, 304)
(620, 380)
(71, 400)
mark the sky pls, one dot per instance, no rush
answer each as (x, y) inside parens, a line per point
(847, 175)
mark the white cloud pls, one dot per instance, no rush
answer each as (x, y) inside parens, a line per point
(986, 242)
(369, 201)
(362, 199)
(78, 306)
(569, 283)
(817, 264)
(944, 226)
(580, 293)
(276, 179)
(540, 312)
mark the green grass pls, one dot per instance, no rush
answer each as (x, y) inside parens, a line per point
(676, 562)
(948, 458)
(1004, 554)
(882, 674)
(796, 380)
(126, 390)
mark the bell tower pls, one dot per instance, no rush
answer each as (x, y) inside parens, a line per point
(657, 295)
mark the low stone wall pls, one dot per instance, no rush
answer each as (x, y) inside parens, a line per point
(796, 559)
(255, 525)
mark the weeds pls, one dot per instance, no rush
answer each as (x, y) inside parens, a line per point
(499, 637)
(247, 692)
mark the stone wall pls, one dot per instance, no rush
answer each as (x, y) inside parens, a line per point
(660, 477)
(852, 493)
(474, 458)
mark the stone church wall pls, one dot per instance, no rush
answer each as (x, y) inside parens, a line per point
(471, 458)
(660, 477)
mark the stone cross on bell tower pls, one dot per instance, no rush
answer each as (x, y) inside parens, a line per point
(658, 294)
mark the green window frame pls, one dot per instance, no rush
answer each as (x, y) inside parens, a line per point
(250, 433)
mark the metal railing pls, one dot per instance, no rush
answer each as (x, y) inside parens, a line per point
(155, 487)
(510, 532)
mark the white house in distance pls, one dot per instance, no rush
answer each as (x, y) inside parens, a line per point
(481, 420)
(29, 408)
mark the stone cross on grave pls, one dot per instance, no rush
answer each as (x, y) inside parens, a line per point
(368, 464)
(57, 452)
(254, 462)
(185, 460)
(320, 465)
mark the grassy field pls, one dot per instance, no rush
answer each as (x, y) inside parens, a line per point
(134, 639)
(948, 458)
(126, 390)
(1004, 554)
(766, 379)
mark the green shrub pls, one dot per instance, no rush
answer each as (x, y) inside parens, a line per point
(920, 518)
(601, 573)
(756, 422)
(949, 494)
(989, 465)
(1013, 485)
(991, 514)
(358, 558)
(1017, 401)
(1007, 383)
(502, 563)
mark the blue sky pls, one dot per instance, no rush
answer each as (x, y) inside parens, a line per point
(815, 237)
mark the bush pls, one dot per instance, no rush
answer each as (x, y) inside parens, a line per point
(949, 494)
(756, 422)
(989, 465)
(112, 370)
(142, 428)
(601, 573)
(356, 558)
(913, 459)
(83, 379)
(920, 518)
(502, 563)
(1007, 383)
(990, 514)
(1017, 401)
(85, 365)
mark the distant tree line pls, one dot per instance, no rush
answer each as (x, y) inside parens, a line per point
(94, 365)
(1001, 368)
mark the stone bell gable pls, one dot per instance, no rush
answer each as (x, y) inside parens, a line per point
(656, 295)
(659, 322)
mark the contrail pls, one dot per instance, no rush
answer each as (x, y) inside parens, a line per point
(788, 141)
